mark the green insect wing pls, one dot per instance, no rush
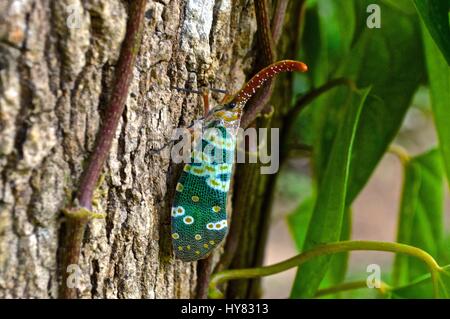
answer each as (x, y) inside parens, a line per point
(199, 217)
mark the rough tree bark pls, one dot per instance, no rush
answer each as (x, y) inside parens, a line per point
(54, 81)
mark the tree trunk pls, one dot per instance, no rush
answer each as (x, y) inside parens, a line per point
(56, 65)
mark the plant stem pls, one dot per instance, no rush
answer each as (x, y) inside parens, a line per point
(315, 93)
(383, 289)
(123, 77)
(278, 19)
(322, 250)
(400, 152)
(267, 46)
(291, 116)
(264, 33)
(204, 268)
(79, 214)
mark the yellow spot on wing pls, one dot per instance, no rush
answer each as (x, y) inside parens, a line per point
(198, 170)
(195, 198)
(215, 182)
(188, 220)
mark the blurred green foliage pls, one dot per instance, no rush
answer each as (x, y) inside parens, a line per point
(351, 128)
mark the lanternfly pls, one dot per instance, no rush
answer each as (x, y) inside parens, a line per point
(199, 217)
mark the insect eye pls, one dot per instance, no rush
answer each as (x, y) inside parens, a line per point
(231, 105)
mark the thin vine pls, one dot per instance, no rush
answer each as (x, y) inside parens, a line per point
(79, 213)
(327, 249)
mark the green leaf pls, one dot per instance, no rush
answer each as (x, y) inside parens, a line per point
(422, 287)
(405, 6)
(444, 284)
(435, 14)
(327, 37)
(298, 222)
(439, 81)
(390, 60)
(421, 220)
(326, 221)
(339, 262)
